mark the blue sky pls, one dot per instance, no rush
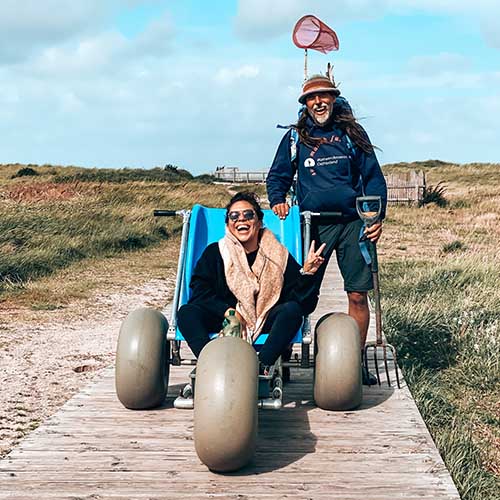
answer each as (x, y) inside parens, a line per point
(143, 83)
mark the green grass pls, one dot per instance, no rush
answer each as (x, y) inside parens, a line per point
(455, 437)
(166, 174)
(258, 189)
(467, 174)
(454, 246)
(47, 225)
(440, 276)
(445, 322)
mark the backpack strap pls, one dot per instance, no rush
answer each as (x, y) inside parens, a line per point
(294, 139)
(350, 146)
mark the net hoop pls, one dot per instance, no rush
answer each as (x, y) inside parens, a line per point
(311, 33)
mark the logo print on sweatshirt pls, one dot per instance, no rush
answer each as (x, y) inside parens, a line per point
(309, 162)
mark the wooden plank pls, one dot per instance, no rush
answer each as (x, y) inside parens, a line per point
(95, 448)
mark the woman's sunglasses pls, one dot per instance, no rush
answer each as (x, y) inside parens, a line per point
(234, 215)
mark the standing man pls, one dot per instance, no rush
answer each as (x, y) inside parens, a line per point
(335, 162)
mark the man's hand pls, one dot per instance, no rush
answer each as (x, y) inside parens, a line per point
(281, 210)
(314, 259)
(374, 231)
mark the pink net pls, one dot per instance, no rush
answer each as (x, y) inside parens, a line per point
(311, 33)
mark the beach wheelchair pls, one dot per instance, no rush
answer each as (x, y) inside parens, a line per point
(225, 388)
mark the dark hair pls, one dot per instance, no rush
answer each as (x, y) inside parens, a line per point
(248, 196)
(343, 118)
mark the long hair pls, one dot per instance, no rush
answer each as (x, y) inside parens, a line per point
(343, 118)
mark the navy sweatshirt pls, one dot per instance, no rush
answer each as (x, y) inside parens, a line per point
(329, 177)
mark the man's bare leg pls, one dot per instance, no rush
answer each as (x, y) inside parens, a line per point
(359, 310)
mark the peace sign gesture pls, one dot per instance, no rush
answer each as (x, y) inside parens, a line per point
(314, 259)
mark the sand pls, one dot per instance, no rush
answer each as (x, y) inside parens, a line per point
(47, 356)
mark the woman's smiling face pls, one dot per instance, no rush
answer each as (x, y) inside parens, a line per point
(244, 225)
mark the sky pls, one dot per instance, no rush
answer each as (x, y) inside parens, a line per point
(198, 84)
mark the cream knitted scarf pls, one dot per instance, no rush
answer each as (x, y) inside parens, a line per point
(257, 289)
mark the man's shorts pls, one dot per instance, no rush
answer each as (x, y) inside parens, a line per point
(344, 239)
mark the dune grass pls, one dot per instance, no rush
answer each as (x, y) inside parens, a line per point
(445, 322)
(440, 278)
(47, 223)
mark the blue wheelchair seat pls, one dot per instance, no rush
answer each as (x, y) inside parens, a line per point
(207, 225)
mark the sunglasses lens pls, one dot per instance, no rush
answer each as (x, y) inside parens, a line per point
(248, 214)
(235, 215)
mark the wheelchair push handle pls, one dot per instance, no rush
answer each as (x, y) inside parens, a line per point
(308, 215)
(166, 213)
(326, 214)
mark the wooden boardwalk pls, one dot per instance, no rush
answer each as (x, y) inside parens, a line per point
(93, 448)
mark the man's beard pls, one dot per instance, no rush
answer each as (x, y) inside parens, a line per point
(323, 119)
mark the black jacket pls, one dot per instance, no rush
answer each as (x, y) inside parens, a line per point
(209, 287)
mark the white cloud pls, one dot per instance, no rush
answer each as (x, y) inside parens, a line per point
(227, 76)
(27, 25)
(96, 97)
(261, 18)
(107, 52)
(437, 64)
(71, 103)
(258, 19)
(87, 55)
(451, 79)
(481, 7)
(456, 127)
(156, 40)
(490, 26)
(30, 26)
(146, 112)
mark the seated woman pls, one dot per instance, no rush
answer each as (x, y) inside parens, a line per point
(249, 272)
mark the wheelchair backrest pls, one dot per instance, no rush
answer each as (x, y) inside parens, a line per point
(207, 225)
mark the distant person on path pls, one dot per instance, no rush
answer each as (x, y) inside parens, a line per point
(335, 162)
(249, 274)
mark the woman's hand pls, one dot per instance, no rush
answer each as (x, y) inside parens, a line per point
(374, 231)
(314, 259)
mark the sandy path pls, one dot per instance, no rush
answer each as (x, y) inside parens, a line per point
(48, 357)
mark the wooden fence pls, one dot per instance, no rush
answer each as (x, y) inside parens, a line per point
(402, 187)
(236, 176)
(405, 187)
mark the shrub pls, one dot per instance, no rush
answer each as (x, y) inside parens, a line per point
(454, 246)
(205, 178)
(460, 203)
(121, 176)
(434, 194)
(25, 172)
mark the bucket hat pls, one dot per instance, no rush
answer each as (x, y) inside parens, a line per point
(316, 84)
